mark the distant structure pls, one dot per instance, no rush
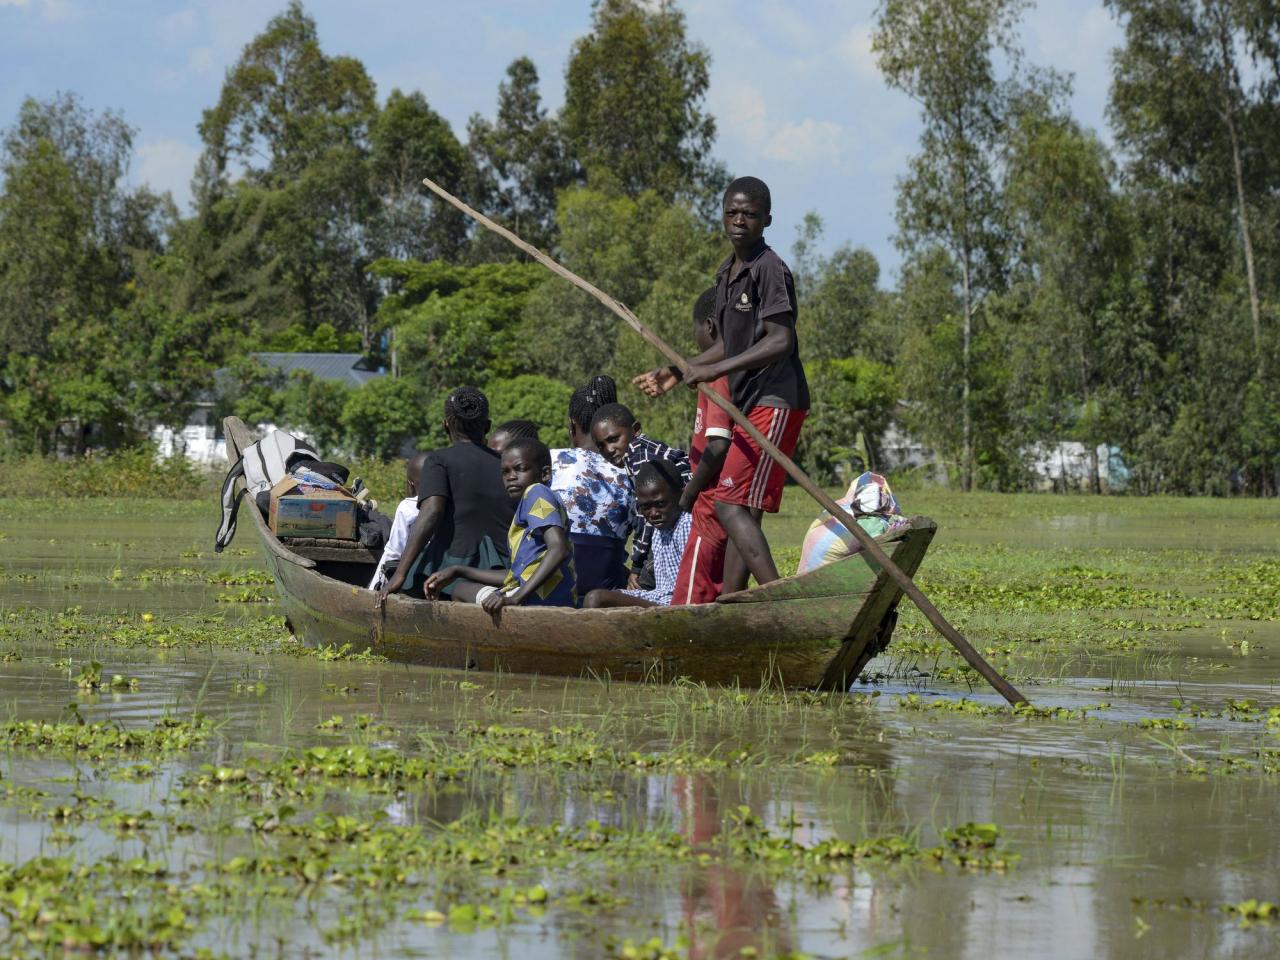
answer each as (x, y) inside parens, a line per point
(1064, 466)
(350, 368)
(200, 440)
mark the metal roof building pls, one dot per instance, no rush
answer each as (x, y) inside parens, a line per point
(350, 368)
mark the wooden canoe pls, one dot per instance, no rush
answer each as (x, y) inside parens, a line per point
(817, 630)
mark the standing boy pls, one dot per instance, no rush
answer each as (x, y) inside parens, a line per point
(757, 350)
(701, 575)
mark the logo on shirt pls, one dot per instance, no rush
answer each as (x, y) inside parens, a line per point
(727, 482)
(697, 421)
(744, 304)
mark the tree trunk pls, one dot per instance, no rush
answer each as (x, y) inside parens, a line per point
(1246, 239)
(1095, 482)
(966, 455)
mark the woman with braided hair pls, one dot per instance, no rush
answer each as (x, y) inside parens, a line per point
(464, 509)
(596, 494)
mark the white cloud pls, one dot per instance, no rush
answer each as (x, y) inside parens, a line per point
(177, 26)
(59, 11)
(167, 165)
(808, 142)
(740, 113)
(55, 11)
(201, 60)
(855, 50)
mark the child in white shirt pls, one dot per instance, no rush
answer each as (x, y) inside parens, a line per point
(406, 513)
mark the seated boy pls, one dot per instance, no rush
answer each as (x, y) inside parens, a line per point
(504, 433)
(541, 571)
(701, 577)
(872, 504)
(658, 486)
(406, 513)
(617, 434)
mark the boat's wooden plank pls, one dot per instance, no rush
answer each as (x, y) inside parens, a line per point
(853, 574)
(341, 551)
(855, 652)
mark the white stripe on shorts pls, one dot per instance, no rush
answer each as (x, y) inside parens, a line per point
(760, 482)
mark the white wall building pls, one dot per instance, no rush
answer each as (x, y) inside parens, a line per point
(200, 440)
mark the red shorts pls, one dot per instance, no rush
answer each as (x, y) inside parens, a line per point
(701, 576)
(749, 477)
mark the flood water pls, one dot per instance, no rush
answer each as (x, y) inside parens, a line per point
(585, 819)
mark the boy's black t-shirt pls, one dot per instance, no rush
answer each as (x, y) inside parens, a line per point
(469, 476)
(763, 290)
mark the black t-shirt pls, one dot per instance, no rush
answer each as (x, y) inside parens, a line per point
(468, 475)
(762, 290)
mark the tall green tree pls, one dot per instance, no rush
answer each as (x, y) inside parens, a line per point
(839, 296)
(634, 114)
(521, 161)
(283, 187)
(942, 54)
(454, 324)
(1193, 106)
(1072, 242)
(653, 256)
(71, 234)
(409, 141)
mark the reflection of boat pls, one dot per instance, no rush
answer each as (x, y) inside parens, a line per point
(815, 630)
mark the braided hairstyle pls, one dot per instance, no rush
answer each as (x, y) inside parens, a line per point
(466, 414)
(660, 470)
(586, 400)
(518, 429)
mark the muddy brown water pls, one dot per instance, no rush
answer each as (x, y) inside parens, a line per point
(1121, 851)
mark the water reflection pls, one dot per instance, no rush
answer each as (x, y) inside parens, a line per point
(1124, 851)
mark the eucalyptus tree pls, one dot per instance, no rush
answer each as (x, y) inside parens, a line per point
(407, 141)
(1072, 245)
(283, 187)
(1198, 134)
(634, 114)
(72, 233)
(520, 161)
(942, 54)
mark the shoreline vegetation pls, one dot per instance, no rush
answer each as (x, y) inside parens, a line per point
(1113, 290)
(137, 474)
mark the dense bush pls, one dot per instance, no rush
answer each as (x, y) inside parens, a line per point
(531, 397)
(853, 402)
(382, 416)
(124, 473)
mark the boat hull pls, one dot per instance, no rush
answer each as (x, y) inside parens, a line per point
(816, 630)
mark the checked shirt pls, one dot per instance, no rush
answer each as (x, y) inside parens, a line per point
(642, 450)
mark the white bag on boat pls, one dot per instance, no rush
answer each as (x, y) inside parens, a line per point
(263, 465)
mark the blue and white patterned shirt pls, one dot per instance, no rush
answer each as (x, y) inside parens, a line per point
(642, 450)
(596, 494)
(668, 551)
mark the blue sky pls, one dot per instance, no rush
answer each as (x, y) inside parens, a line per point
(794, 87)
